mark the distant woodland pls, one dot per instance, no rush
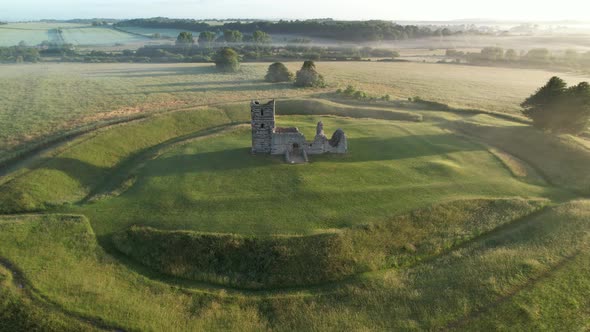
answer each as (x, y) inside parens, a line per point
(339, 30)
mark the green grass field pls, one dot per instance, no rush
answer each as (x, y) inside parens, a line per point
(97, 36)
(164, 33)
(77, 34)
(434, 220)
(64, 96)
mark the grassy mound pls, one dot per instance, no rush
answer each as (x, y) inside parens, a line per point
(519, 274)
(73, 174)
(215, 185)
(76, 172)
(284, 261)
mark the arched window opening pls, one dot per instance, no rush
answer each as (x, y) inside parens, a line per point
(262, 125)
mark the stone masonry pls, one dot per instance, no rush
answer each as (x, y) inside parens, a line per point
(266, 138)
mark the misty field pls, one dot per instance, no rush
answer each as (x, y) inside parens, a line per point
(41, 99)
(149, 32)
(77, 34)
(97, 36)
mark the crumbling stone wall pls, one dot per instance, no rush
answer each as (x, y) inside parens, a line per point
(266, 138)
(263, 124)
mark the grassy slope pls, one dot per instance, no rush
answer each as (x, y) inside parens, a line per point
(61, 96)
(558, 301)
(62, 260)
(286, 261)
(71, 175)
(215, 185)
(20, 313)
(560, 160)
(64, 263)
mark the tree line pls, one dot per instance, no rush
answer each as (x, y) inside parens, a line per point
(207, 38)
(374, 30)
(186, 50)
(542, 57)
(18, 54)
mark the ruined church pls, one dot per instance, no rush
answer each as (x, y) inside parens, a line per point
(290, 142)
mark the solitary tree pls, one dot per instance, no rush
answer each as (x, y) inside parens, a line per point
(206, 37)
(278, 72)
(559, 109)
(227, 60)
(185, 38)
(308, 76)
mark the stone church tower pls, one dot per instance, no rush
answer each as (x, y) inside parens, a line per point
(263, 124)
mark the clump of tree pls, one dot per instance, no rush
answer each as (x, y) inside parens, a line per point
(227, 60)
(278, 72)
(233, 36)
(261, 37)
(558, 108)
(98, 23)
(206, 38)
(308, 76)
(353, 93)
(19, 54)
(185, 39)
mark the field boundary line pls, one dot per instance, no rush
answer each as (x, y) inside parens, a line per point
(21, 282)
(462, 322)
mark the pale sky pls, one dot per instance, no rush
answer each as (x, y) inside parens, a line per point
(426, 10)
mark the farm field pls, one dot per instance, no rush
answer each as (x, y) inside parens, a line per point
(59, 97)
(31, 34)
(77, 34)
(98, 36)
(164, 33)
(169, 223)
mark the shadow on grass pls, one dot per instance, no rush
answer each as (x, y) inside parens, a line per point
(236, 86)
(360, 150)
(86, 174)
(203, 83)
(165, 70)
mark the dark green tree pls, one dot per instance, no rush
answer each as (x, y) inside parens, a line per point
(308, 76)
(206, 37)
(559, 109)
(261, 37)
(227, 60)
(278, 72)
(233, 36)
(185, 38)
